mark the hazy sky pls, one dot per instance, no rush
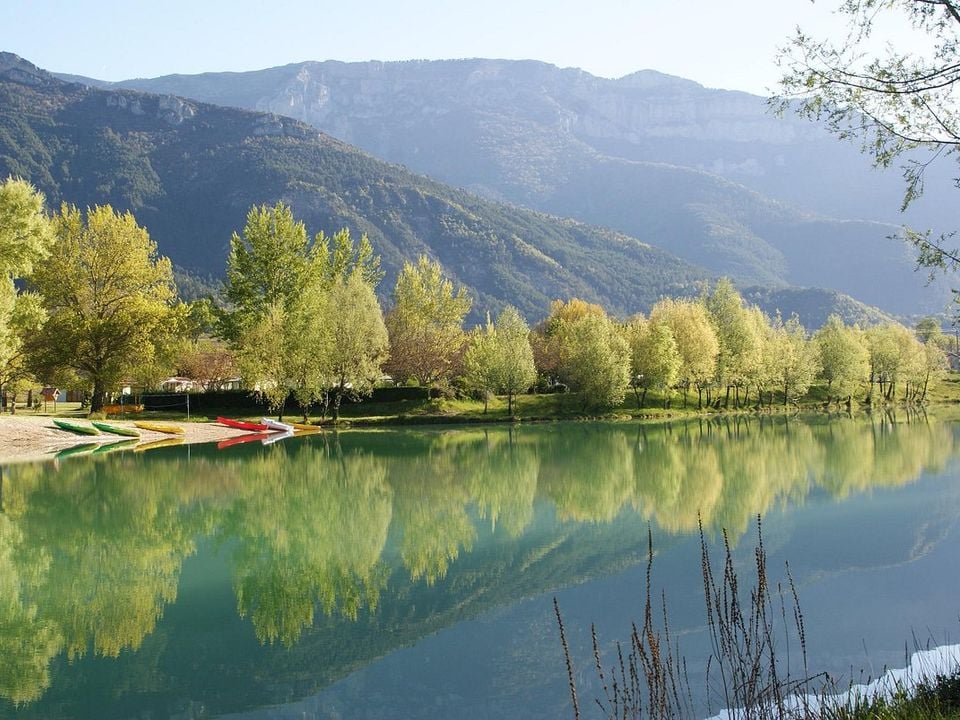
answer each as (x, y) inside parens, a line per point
(729, 44)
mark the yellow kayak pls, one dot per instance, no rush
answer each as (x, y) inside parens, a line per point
(165, 442)
(300, 427)
(159, 427)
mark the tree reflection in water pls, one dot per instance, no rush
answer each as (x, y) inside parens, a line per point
(91, 550)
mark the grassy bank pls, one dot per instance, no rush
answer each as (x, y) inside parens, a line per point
(539, 407)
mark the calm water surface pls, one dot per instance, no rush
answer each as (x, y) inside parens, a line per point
(410, 574)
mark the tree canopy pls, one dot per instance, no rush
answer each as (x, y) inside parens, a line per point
(110, 299)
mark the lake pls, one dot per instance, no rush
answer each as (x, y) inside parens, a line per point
(411, 573)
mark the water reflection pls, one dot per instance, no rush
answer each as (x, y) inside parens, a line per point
(355, 528)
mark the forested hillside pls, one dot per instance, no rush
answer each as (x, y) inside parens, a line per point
(190, 173)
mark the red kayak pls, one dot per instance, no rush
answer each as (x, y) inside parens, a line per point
(242, 425)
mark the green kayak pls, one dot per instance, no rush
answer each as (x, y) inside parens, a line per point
(76, 427)
(116, 429)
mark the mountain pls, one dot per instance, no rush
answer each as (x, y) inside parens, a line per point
(709, 175)
(190, 171)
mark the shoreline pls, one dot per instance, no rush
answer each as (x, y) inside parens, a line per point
(31, 438)
(26, 438)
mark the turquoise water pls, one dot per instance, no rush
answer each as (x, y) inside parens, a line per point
(411, 574)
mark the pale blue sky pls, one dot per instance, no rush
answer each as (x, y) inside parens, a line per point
(729, 44)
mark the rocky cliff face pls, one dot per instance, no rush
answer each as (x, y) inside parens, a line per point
(639, 106)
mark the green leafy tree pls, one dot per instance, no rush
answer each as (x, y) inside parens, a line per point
(655, 359)
(514, 357)
(426, 324)
(359, 342)
(109, 298)
(740, 347)
(696, 342)
(595, 360)
(262, 360)
(480, 363)
(25, 232)
(268, 265)
(793, 358)
(844, 359)
(895, 101)
(25, 236)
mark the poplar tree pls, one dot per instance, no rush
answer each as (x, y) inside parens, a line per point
(655, 359)
(696, 342)
(844, 359)
(426, 324)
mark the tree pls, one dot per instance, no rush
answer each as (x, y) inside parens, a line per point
(25, 236)
(793, 358)
(268, 265)
(25, 232)
(359, 343)
(655, 359)
(514, 356)
(844, 359)
(208, 361)
(426, 324)
(894, 103)
(595, 360)
(109, 298)
(696, 342)
(737, 337)
(480, 363)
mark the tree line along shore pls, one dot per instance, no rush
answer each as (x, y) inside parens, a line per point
(87, 303)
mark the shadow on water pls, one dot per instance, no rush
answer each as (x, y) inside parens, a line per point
(332, 551)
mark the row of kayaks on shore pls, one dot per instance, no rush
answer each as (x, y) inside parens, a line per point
(97, 427)
(267, 432)
(266, 425)
(131, 437)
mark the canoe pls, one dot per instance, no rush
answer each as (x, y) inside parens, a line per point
(302, 428)
(242, 424)
(82, 449)
(165, 442)
(159, 427)
(277, 437)
(277, 425)
(116, 429)
(240, 439)
(76, 427)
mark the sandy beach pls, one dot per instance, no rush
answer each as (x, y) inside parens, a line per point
(26, 438)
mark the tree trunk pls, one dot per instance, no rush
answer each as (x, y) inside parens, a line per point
(643, 399)
(96, 402)
(746, 396)
(337, 396)
(510, 404)
(636, 392)
(786, 388)
(699, 398)
(726, 399)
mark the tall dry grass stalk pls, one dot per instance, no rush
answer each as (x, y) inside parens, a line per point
(749, 669)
